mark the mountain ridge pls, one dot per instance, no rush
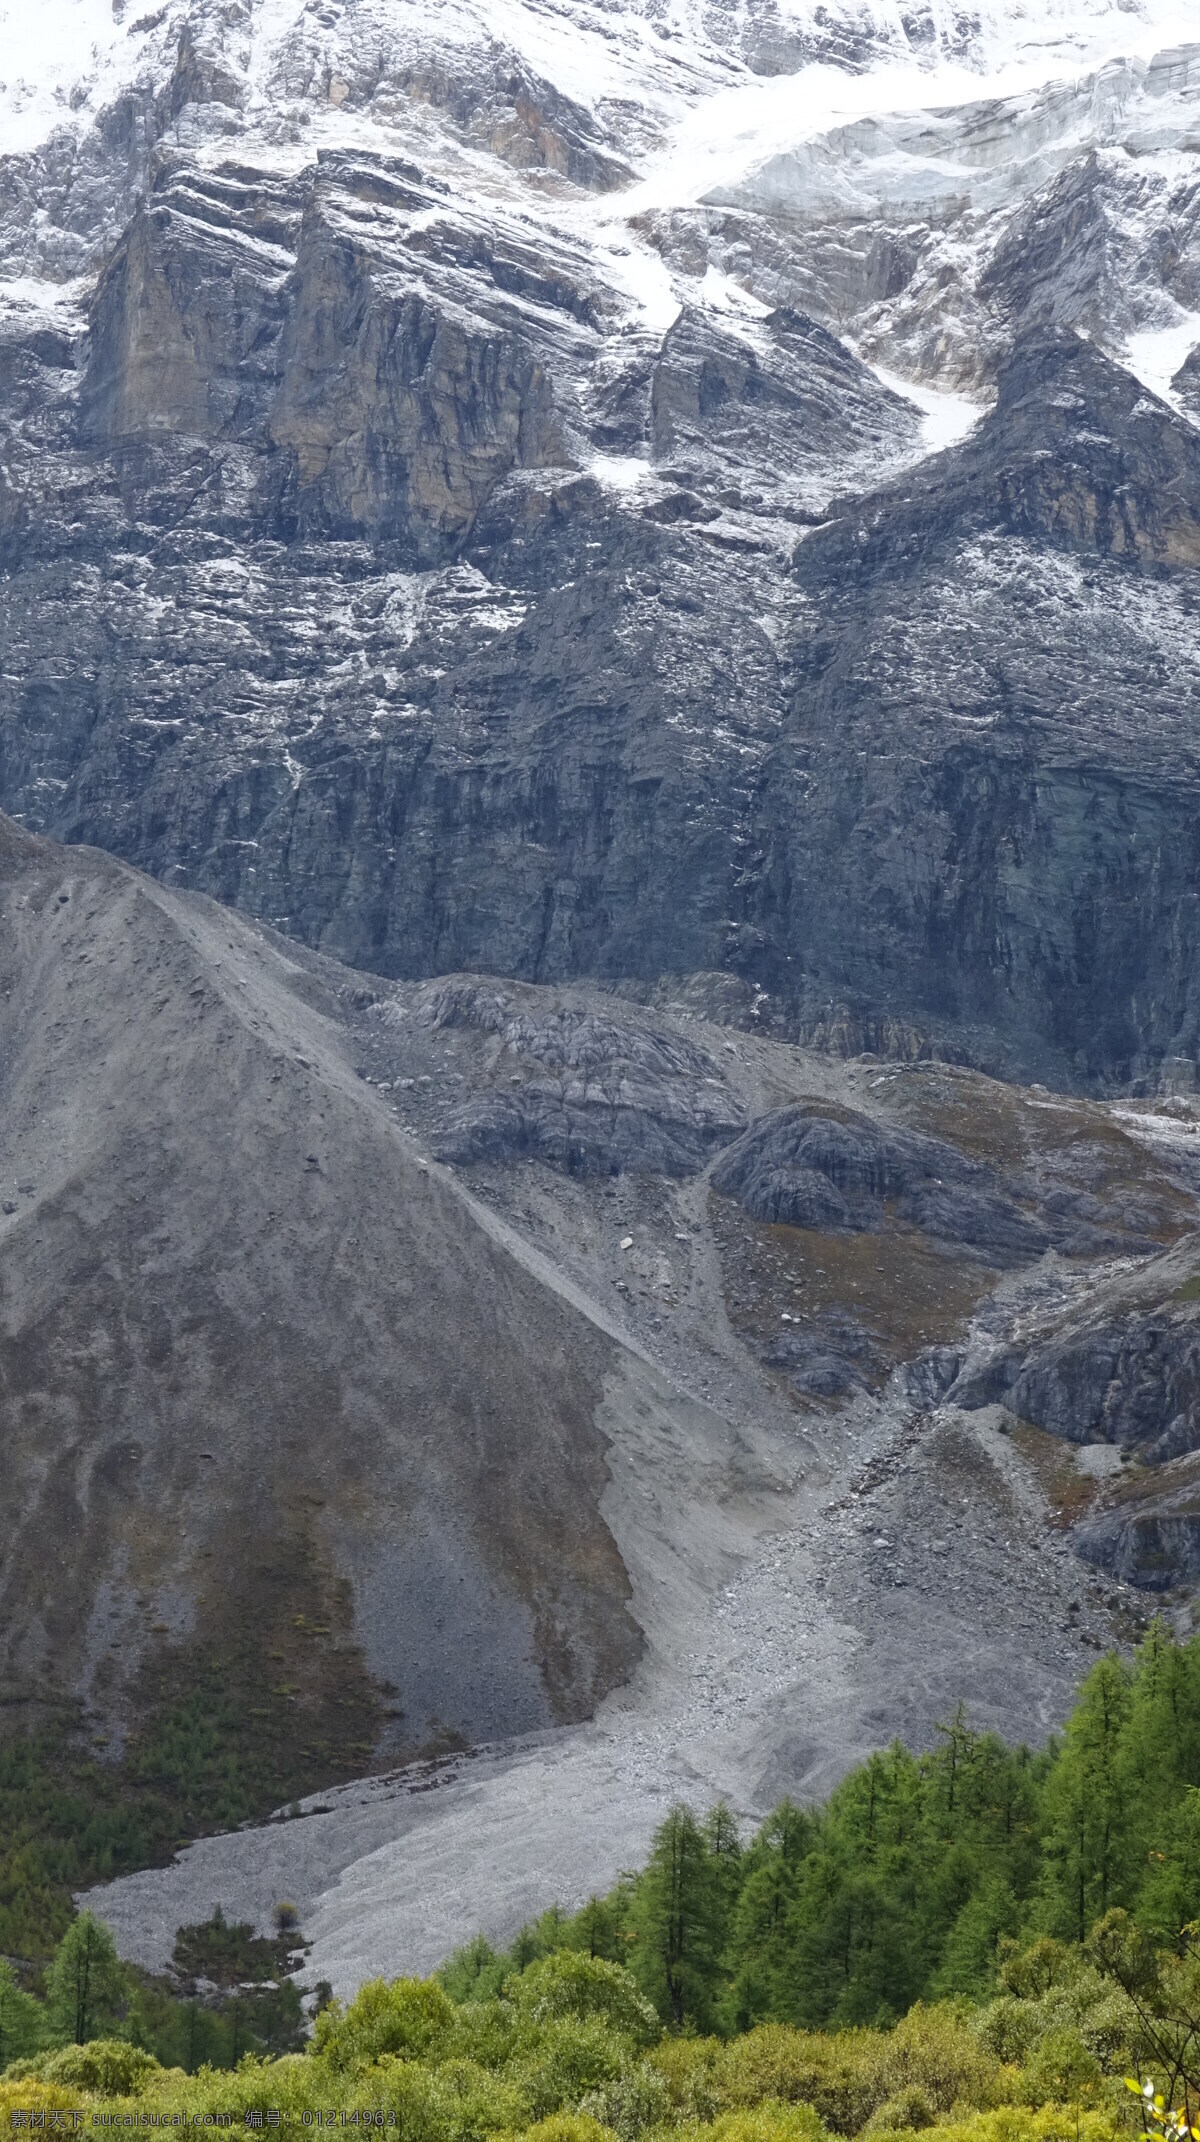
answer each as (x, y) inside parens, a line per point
(647, 557)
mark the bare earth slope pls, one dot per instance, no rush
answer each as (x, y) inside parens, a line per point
(502, 1356)
(270, 1393)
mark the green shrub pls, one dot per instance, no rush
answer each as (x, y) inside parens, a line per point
(839, 2073)
(570, 1984)
(107, 2067)
(407, 2016)
(486, 2032)
(1061, 2069)
(569, 2058)
(567, 2127)
(419, 2104)
(689, 2067)
(630, 2103)
(909, 2112)
(770, 2122)
(27, 2094)
(935, 2051)
(487, 2105)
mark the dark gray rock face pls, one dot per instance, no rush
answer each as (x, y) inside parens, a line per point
(861, 1163)
(1075, 455)
(875, 1226)
(977, 1217)
(605, 1097)
(381, 559)
(1070, 261)
(1158, 1550)
(829, 1364)
(1135, 1382)
(1186, 383)
(227, 314)
(953, 857)
(585, 1128)
(578, 750)
(765, 410)
(800, 1168)
(1121, 1370)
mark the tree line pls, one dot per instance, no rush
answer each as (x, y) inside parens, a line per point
(908, 1882)
(229, 1993)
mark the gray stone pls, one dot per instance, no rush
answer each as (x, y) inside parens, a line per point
(622, 1096)
(803, 1168)
(244, 1322)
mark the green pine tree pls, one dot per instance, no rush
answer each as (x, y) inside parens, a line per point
(1088, 1808)
(676, 1913)
(20, 2018)
(87, 1986)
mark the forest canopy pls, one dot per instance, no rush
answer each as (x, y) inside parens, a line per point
(974, 1938)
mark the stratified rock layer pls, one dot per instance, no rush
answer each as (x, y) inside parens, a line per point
(421, 536)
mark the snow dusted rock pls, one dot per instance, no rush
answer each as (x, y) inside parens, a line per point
(447, 510)
(778, 403)
(1186, 383)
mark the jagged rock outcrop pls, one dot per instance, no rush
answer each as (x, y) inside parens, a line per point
(605, 1096)
(1134, 1381)
(383, 385)
(842, 1171)
(1078, 255)
(899, 1238)
(778, 403)
(1158, 1549)
(457, 574)
(185, 330)
(1186, 383)
(1112, 1373)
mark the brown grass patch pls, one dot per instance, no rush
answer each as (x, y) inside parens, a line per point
(1075, 1142)
(903, 1291)
(984, 1119)
(1069, 1492)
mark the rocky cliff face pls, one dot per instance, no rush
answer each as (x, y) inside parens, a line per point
(660, 552)
(532, 499)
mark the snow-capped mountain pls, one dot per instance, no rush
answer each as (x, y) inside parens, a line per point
(624, 490)
(695, 506)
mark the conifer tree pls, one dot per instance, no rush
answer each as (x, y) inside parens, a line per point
(1088, 1868)
(676, 1913)
(760, 1949)
(87, 1989)
(20, 2017)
